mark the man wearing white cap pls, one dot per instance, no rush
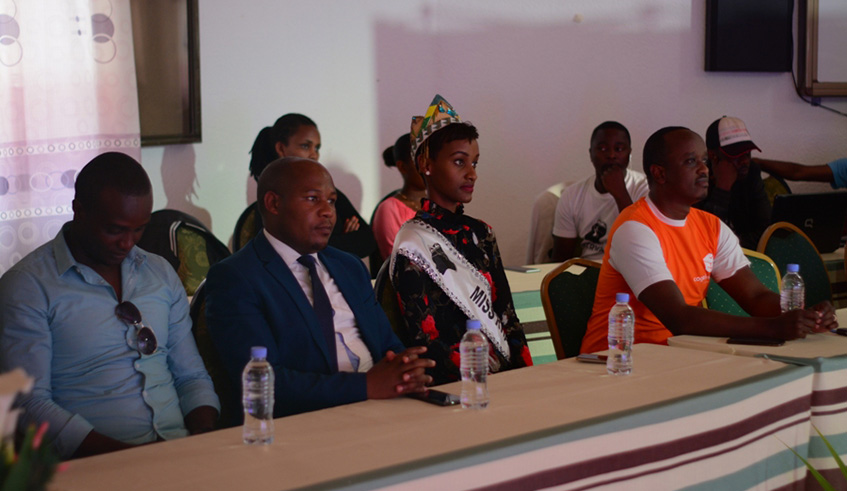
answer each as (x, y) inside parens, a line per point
(736, 190)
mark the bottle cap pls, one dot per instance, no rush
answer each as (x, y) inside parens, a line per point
(622, 297)
(792, 268)
(258, 352)
(472, 324)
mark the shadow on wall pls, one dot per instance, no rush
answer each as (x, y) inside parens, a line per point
(349, 184)
(178, 179)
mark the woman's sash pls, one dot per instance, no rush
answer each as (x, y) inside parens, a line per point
(427, 248)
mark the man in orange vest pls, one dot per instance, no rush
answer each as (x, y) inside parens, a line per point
(663, 253)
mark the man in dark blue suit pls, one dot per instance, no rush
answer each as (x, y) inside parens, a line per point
(311, 305)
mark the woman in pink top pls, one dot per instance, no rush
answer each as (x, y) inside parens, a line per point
(395, 210)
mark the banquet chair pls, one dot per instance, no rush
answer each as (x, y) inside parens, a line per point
(785, 243)
(540, 244)
(247, 226)
(211, 360)
(567, 294)
(186, 243)
(387, 298)
(764, 269)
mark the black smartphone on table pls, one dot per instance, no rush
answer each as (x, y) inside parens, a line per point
(437, 397)
(756, 341)
(591, 358)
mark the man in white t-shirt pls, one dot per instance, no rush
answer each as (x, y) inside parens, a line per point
(588, 208)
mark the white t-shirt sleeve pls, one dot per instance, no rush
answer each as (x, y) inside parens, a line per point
(730, 258)
(637, 255)
(639, 190)
(564, 224)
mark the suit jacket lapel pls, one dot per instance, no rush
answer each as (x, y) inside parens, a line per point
(277, 268)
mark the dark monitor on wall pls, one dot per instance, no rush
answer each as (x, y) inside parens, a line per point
(749, 35)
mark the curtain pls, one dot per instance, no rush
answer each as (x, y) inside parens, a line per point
(67, 94)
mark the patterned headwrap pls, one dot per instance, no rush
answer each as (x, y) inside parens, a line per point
(439, 114)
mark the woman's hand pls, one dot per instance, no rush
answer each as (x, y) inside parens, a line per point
(351, 225)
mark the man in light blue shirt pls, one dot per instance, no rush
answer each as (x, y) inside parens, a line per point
(95, 386)
(835, 172)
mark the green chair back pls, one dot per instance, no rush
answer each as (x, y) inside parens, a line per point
(247, 226)
(197, 250)
(764, 269)
(185, 243)
(567, 294)
(785, 243)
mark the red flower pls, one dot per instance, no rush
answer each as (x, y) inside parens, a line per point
(426, 300)
(464, 240)
(450, 232)
(527, 356)
(493, 288)
(456, 358)
(428, 327)
(466, 227)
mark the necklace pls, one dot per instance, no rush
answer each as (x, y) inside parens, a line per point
(411, 204)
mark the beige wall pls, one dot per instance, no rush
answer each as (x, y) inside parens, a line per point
(533, 79)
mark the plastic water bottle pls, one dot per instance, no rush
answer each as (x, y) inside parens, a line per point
(793, 295)
(474, 355)
(621, 334)
(257, 381)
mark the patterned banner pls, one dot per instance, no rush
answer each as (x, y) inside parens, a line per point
(67, 93)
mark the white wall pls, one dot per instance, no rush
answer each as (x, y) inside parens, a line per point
(526, 73)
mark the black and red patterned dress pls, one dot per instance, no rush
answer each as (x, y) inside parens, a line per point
(432, 319)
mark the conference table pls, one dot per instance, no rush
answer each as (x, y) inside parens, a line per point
(684, 419)
(826, 354)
